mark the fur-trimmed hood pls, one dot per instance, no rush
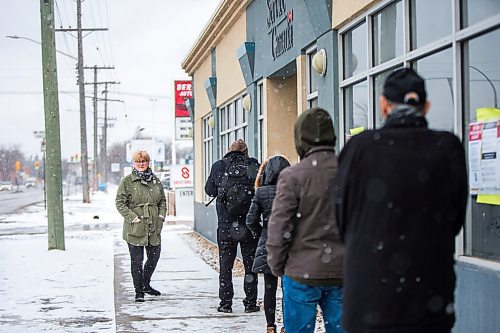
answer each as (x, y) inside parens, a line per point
(270, 170)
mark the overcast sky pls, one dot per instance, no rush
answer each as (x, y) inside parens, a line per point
(146, 42)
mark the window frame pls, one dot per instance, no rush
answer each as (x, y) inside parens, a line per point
(312, 96)
(208, 151)
(228, 115)
(261, 137)
(456, 40)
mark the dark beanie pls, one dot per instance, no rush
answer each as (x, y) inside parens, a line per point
(405, 86)
(314, 127)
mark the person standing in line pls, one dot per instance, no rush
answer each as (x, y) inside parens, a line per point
(262, 203)
(231, 182)
(401, 195)
(140, 199)
(303, 244)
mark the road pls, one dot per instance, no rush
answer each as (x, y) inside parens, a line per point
(10, 201)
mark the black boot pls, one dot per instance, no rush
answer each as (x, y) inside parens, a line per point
(139, 297)
(225, 309)
(151, 291)
(252, 308)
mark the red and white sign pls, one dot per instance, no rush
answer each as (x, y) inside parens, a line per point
(182, 91)
(475, 131)
(181, 176)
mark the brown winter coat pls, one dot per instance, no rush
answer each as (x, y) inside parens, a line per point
(303, 239)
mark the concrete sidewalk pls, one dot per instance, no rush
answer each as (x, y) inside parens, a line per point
(189, 289)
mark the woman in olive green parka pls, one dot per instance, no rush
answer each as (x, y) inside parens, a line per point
(141, 201)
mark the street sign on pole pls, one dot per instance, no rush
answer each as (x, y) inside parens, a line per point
(39, 134)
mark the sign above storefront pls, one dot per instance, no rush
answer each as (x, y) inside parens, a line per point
(281, 35)
(182, 90)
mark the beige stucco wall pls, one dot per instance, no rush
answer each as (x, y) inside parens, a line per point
(345, 10)
(302, 83)
(280, 113)
(229, 77)
(202, 108)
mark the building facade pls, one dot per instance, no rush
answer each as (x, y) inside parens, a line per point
(258, 64)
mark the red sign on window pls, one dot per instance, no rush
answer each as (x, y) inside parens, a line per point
(182, 93)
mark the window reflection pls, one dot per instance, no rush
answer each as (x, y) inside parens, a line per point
(355, 54)
(481, 68)
(260, 119)
(356, 107)
(233, 124)
(430, 20)
(474, 11)
(482, 73)
(208, 136)
(437, 70)
(379, 87)
(312, 74)
(388, 33)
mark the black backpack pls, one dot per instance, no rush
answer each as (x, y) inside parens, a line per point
(236, 190)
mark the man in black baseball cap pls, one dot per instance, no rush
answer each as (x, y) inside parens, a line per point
(404, 88)
(400, 198)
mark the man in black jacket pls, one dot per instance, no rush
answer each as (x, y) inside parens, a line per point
(231, 182)
(401, 194)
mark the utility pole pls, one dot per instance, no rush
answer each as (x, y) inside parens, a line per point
(96, 168)
(81, 89)
(83, 118)
(104, 152)
(53, 170)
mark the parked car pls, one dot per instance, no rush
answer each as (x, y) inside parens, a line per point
(166, 183)
(30, 183)
(5, 185)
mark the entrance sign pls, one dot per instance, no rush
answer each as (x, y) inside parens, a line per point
(181, 176)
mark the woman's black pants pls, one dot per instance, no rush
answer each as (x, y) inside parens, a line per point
(142, 275)
(271, 284)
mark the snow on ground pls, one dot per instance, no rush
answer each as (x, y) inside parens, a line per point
(88, 287)
(57, 291)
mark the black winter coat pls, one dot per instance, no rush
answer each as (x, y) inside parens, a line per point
(401, 194)
(262, 204)
(230, 227)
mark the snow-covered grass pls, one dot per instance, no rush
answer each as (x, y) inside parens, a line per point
(57, 291)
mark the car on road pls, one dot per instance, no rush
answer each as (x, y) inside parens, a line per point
(5, 186)
(29, 183)
(165, 182)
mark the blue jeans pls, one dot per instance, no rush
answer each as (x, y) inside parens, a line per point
(300, 302)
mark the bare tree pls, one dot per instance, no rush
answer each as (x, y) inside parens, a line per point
(116, 154)
(8, 158)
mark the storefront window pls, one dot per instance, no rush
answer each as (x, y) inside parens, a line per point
(260, 120)
(208, 139)
(312, 80)
(355, 51)
(430, 20)
(481, 69)
(421, 34)
(223, 123)
(473, 11)
(437, 70)
(379, 87)
(356, 107)
(388, 33)
(232, 114)
(482, 73)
